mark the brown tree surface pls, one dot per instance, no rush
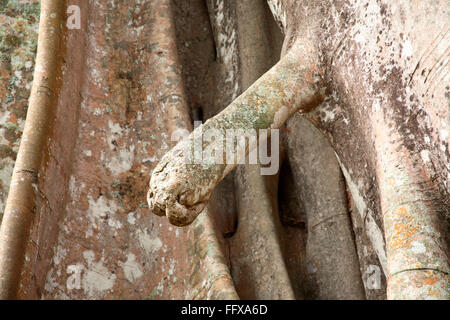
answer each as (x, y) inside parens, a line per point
(359, 208)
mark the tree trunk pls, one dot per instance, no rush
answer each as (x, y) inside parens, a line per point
(362, 215)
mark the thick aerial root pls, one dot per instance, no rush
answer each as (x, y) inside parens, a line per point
(412, 213)
(258, 268)
(20, 205)
(165, 58)
(179, 189)
(212, 280)
(331, 258)
(209, 277)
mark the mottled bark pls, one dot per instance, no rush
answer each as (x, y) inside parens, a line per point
(20, 206)
(371, 51)
(259, 269)
(18, 42)
(209, 277)
(331, 261)
(91, 212)
(180, 190)
(388, 107)
(121, 97)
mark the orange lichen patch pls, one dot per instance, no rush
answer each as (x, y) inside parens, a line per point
(431, 280)
(401, 212)
(418, 284)
(400, 280)
(404, 230)
(391, 181)
(433, 293)
(12, 118)
(309, 76)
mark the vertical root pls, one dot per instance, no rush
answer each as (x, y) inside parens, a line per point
(210, 277)
(417, 259)
(180, 190)
(20, 206)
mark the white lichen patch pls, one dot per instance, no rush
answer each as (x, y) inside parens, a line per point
(372, 229)
(60, 255)
(103, 211)
(52, 286)
(444, 135)
(418, 247)
(149, 242)
(131, 218)
(7, 166)
(101, 207)
(425, 155)
(75, 188)
(114, 224)
(172, 265)
(407, 50)
(121, 162)
(118, 161)
(96, 279)
(131, 268)
(152, 160)
(115, 129)
(329, 115)
(87, 153)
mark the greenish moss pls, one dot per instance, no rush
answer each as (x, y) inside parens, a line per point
(5, 57)
(12, 81)
(10, 126)
(5, 151)
(143, 205)
(18, 44)
(26, 10)
(152, 295)
(9, 98)
(11, 40)
(3, 5)
(116, 183)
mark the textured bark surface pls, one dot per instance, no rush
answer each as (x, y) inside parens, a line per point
(20, 206)
(178, 189)
(136, 72)
(387, 118)
(93, 237)
(259, 269)
(18, 42)
(331, 260)
(381, 76)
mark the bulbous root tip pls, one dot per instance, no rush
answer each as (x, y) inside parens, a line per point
(180, 190)
(178, 214)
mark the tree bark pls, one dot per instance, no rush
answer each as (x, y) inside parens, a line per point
(387, 106)
(20, 206)
(377, 92)
(385, 113)
(180, 190)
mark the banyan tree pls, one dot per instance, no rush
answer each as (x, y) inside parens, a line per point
(101, 100)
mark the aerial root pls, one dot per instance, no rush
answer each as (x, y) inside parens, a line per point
(180, 189)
